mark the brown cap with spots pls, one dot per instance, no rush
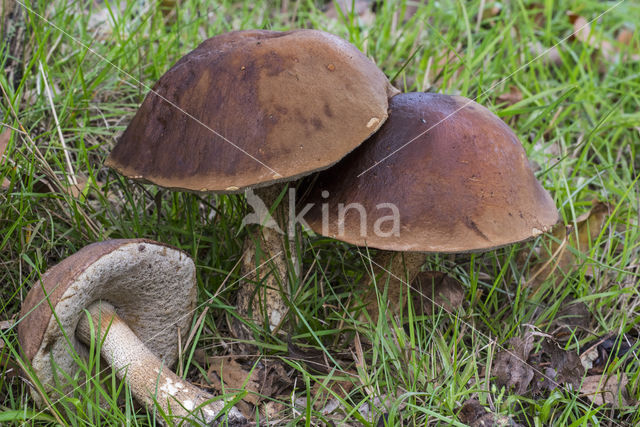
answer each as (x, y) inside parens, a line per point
(151, 285)
(456, 176)
(251, 108)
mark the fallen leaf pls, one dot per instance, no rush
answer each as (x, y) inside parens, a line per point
(537, 10)
(510, 367)
(573, 315)
(167, 6)
(560, 367)
(559, 260)
(313, 358)
(583, 33)
(274, 409)
(602, 390)
(474, 414)
(5, 136)
(490, 10)
(599, 354)
(325, 401)
(376, 407)
(625, 35)
(522, 372)
(265, 379)
(435, 290)
(5, 324)
(512, 97)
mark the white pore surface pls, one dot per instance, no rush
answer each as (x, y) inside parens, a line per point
(153, 289)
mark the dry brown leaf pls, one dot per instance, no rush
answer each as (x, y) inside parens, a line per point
(538, 18)
(512, 97)
(523, 372)
(555, 367)
(598, 355)
(78, 189)
(602, 390)
(5, 324)
(510, 367)
(5, 136)
(473, 414)
(584, 34)
(572, 315)
(624, 36)
(560, 261)
(435, 289)
(490, 10)
(324, 400)
(167, 6)
(274, 409)
(266, 379)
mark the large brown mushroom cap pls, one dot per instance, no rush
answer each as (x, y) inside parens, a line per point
(251, 108)
(464, 185)
(151, 285)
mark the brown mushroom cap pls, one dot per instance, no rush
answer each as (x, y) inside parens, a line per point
(151, 285)
(258, 107)
(464, 185)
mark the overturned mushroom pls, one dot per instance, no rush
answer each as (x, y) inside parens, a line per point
(141, 294)
(442, 175)
(253, 110)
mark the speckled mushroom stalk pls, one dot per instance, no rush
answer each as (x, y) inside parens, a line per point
(458, 176)
(144, 293)
(252, 110)
(148, 378)
(269, 250)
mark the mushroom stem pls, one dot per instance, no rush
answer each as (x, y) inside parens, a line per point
(148, 379)
(266, 253)
(399, 269)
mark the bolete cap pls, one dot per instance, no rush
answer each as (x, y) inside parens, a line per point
(454, 174)
(252, 108)
(151, 285)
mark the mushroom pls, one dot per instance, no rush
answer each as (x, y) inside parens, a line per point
(442, 175)
(139, 293)
(254, 110)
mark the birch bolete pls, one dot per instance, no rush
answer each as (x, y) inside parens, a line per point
(251, 110)
(442, 175)
(140, 296)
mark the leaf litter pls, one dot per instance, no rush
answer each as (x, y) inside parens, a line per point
(436, 290)
(559, 260)
(5, 136)
(265, 379)
(524, 372)
(474, 414)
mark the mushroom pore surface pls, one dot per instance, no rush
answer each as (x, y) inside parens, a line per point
(151, 285)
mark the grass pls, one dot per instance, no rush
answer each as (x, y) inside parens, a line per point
(578, 119)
